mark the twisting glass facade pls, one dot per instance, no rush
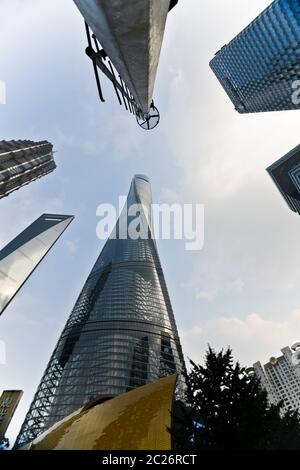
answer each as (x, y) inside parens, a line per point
(260, 68)
(23, 161)
(121, 333)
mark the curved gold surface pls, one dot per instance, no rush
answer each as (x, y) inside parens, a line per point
(136, 420)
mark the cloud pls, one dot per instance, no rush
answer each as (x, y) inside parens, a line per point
(124, 137)
(209, 289)
(72, 246)
(206, 294)
(252, 337)
(238, 285)
(169, 196)
(250, 234)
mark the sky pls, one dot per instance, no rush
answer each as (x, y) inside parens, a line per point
(242, 289)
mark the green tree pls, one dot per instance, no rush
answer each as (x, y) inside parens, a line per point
(225, 408)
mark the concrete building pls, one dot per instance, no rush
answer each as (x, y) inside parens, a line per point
(281, 377)
(9, 401)
(285, 173)
(131, 34)
(23, 161)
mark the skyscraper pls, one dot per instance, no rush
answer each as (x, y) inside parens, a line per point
(9, 401)
(22, 255)
(23, 161)
(259, 69)
(130, 35)
(280, 377)
(285, 173)
(121, 333)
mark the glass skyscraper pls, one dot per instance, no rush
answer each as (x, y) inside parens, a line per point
(260, 68)
(22, 255)
(23, 161)
(121, 333)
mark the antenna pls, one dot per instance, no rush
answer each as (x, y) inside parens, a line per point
(101, 61)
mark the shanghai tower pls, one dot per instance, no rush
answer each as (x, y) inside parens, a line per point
(121, 333)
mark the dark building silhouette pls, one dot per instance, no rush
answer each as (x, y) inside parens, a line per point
(260, 67)
(9, 401)
(285, 173)
(23, 161)
(121, 333)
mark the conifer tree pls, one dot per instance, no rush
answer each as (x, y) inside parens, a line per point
(225, 408)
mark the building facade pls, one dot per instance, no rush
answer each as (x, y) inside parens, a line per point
(285, 173)
(121, 333)
(281, 377)
(23, 254)
(9, 401)
(23, 161)
(260, 68)
(131, 34)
